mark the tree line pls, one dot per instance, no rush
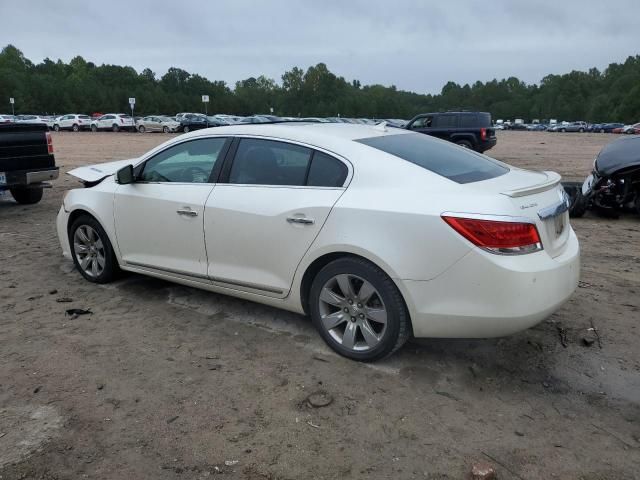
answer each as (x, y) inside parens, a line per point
(81, 86)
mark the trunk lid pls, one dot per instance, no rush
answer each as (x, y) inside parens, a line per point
(538, 197)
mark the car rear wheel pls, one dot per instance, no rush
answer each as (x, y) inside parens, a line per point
(464, 144)
(602, 130)
(141, 129)
(56, 127)
(581, 130)
(91, 249)
(27, 196)
(165, 129)
(115, 128)
(185, 129)
(75, 127)
(358, 310)
(94, 128)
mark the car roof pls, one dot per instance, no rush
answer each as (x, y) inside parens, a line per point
(309, 132)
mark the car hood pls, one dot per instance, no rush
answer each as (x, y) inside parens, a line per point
(617, 155)
(99, 171)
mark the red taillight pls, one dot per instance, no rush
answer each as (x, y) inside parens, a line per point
(497, 236)
(49, 143)
(483, 134)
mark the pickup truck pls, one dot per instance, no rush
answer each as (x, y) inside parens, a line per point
(472, 130)
(26, 161)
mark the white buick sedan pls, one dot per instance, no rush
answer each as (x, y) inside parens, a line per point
(376, 233)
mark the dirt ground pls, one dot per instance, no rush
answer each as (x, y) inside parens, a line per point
(167, 382)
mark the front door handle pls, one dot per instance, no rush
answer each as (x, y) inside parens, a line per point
(301, 220)
(187, 212)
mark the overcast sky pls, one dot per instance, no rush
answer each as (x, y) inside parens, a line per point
(415, 45)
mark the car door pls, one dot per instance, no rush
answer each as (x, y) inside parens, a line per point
(266, 210)
(104, 122)
(66, 121)
(159, 217)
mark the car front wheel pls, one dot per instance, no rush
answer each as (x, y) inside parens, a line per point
(358, 310)
(91, 249)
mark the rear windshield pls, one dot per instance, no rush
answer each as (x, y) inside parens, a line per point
(445, 159)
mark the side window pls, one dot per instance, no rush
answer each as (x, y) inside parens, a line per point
(188, 162)
(447, 121)
(268, 162)
(326, 171)
(468, 120)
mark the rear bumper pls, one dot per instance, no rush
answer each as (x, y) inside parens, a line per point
(30, 177)
(485, 145)
(485, 295)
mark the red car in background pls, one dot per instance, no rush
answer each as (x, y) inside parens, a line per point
(629, 129)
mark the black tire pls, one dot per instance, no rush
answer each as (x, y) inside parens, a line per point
(602, 130)
(115, 128)
(111, 267)
(75, 127)
(563, 130)
(27, 196)
(94, 128)
(398, 323)
(465, 144)
(141, 129)
(581, 130)
(165, 129)
(577, 202)
(56, 127)
(185, 129)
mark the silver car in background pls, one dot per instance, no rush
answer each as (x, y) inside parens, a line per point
(157, 123)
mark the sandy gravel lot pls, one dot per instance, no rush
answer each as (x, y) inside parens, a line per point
(167, 382)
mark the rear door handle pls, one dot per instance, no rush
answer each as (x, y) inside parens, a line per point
(187, 212)
(301, 220)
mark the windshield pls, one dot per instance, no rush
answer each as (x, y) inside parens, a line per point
(450, 161)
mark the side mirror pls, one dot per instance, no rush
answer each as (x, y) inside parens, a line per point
(124, 176)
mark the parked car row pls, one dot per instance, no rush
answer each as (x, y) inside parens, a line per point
(182, 122)
(579, 126)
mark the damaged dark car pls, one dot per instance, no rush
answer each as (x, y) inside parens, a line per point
(614, 184)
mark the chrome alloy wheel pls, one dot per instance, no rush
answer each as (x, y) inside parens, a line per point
(352, 312)
(89, 250)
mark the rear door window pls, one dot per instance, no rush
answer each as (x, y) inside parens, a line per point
(269, 162)
(469, 120)
(450, 161)
(446, 121)
(326, 171)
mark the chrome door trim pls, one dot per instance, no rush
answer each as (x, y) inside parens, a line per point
(169, 270)
(252, 286)
(226, 281)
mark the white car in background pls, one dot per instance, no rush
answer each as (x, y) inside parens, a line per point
(6, 118)
(114, 122)
(157, 123)
(72, 122)
(31, 119)
(375, 233)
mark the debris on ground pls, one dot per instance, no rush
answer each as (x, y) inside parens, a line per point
(562, 333)
(64, 300)
(53, 291)
(319, 399)
(595, 331)
(230, 463)
(75, 312)
(482, 471)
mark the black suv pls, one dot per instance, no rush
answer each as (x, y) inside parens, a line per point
(467, 129)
